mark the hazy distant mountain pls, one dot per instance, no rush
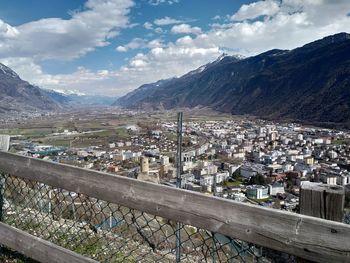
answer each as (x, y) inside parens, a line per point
(72, 99)
(18, 95)
(310, 83)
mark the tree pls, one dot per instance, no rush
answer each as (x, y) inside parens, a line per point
(258, 179)
(236, 174)
(347, 199)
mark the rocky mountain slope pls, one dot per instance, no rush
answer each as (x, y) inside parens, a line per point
(310, 83)
(18, 95)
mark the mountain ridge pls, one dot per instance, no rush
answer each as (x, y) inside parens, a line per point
(73, 100)
(310, 83)
(17, 95)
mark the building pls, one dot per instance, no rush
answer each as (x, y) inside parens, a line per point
(344, 179)
(240, 197)
(247, 172)
(4, 143)
(163, 170)
(206, 182)
(188, 156)
(273, 136)
(257, 192)
(186, 179)
(233, 168)
(113, 168)
(309, 160)
(221, 177)
(332, 154)
(111, 145)
(144, 165)
(329, 179)
(276, 188)
(164, 160)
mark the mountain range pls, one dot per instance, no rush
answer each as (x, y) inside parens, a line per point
(310, 83)
(17, 95)
(74, 100)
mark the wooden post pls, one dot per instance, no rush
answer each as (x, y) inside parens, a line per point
(323, 201)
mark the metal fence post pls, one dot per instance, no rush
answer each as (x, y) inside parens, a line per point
(2, 177)
(2, 185)
(213, 234)
(178, 181)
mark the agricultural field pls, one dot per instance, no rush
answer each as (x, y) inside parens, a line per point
(91, 127)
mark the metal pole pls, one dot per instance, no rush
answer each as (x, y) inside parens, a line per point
(213, 234)
(2, 177)
(50, 198)
(110, 220)
(179, 150)
(214, 185)
(178, 181)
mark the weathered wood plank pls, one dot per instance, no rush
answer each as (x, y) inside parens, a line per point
(323, 201)
(311, 238)
(36, 248)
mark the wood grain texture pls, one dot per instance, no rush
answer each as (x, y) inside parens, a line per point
(307, 237)
(36, 248)
(323, 201)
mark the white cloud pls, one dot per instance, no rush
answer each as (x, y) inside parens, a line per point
(148, 25)
(174, 59)
(56, 38)
(162, 61)
(166, 21)
(82, 80)
(7, 31)
(121, 49)
(138, 43)
(295, 23)
(185, 29)
(256, 9)
(217, 17)
(159, 2)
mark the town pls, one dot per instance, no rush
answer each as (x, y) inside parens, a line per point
(247, 160)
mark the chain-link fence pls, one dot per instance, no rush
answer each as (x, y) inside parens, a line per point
(109, 232)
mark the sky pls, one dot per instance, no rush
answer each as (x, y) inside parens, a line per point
(110, 47)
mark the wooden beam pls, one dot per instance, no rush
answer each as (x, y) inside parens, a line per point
(36, 248)
(307, 237)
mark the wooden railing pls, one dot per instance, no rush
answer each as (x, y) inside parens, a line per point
(303, 236)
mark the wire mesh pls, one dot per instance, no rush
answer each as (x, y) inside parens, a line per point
(109, 232)
(10, 256)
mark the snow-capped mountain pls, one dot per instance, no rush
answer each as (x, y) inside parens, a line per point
(309, 83)
(6, 71)
(71, 98)
(17, 95)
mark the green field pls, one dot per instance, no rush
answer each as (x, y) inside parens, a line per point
(341, 142)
